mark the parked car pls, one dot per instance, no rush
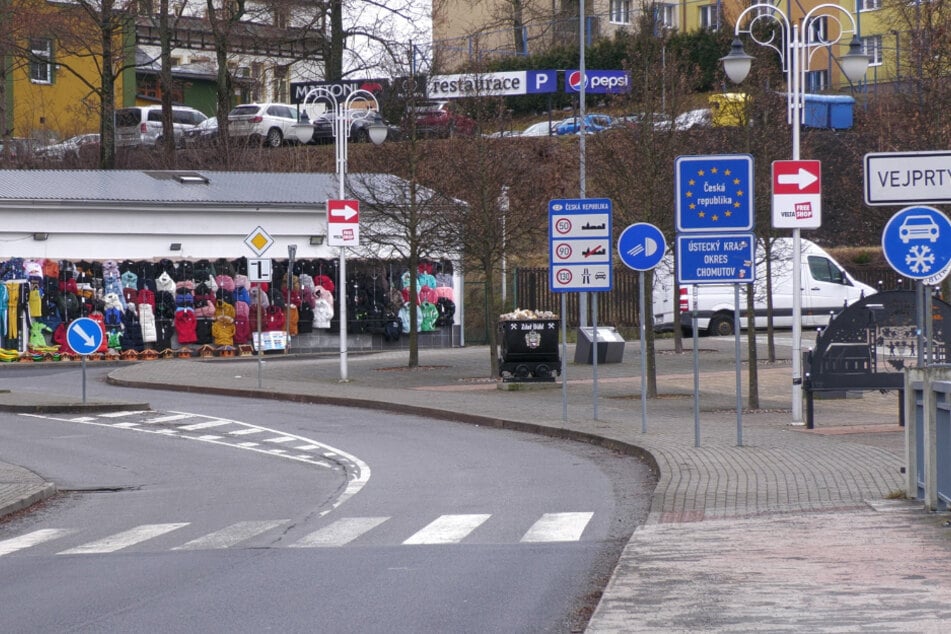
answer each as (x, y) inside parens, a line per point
(18, 147)
(700, 118)
(360, 123)
(270, 124)
(71, 148)
(142, 125)
(441, 119)
(592, 123)
(659, 120)
(203, 134)
(542, 128)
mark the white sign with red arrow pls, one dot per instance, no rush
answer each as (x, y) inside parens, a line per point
(343, 223)
(797, 194)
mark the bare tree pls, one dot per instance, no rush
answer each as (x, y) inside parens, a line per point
(401, 217)
(498, 180)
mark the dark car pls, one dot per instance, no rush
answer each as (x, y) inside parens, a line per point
(203, 134)
(360, 123)
(440, 119)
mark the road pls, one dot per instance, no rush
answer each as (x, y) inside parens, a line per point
(217, 514)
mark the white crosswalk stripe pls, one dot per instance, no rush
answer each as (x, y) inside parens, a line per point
(205, 425)
(448, 529)
(558, 527)
(8, 546)
(341, 532)
(227, 537)
(167, 419)
(124, 539)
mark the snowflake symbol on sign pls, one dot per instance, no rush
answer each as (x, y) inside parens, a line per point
(920, 258)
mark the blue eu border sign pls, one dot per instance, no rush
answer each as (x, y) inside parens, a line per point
(714, 193)
(718, 258)
(579, 234)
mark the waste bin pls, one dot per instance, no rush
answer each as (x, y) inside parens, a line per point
(529, 350)
(610, 345)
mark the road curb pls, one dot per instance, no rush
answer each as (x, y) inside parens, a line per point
(46, 490)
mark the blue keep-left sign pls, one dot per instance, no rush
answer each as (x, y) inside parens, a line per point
(84, 336)
(641, 246)
(917, 243)
(714, 193)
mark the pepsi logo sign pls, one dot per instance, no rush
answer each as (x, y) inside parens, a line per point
(598, 81)
(574, 80)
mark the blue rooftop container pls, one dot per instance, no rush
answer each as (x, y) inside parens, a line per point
(828, 111)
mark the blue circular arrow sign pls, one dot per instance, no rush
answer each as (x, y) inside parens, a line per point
(917, 243)
(641, 246)
(84, 335)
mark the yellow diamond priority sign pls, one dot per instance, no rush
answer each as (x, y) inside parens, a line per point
(259, 241)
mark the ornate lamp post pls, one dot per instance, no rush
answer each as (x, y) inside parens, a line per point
(343, 118)
(795, 52)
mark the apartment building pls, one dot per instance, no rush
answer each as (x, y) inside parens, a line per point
(52, 72)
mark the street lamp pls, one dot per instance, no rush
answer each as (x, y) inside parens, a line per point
(343, 118)
(795, 54)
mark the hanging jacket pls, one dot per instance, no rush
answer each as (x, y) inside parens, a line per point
(185, 325)
(147, 323)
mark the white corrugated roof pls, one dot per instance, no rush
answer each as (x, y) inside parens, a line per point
(153, 186)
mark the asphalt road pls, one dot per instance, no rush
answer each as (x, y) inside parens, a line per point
(216, 514)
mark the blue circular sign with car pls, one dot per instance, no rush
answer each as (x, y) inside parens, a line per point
(917, 243)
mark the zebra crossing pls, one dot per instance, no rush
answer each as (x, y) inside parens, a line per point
(563, 527)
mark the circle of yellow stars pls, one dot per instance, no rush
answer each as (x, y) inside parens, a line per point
(728, 212)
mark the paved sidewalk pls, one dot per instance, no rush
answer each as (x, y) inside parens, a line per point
(792, 531)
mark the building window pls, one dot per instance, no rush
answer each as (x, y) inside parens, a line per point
(872, 46)
(279, 85)
(818, 29)
(710, 17)
(817, 81)
(621, 11)
(869, 5)
(41, 61)
(665, 15)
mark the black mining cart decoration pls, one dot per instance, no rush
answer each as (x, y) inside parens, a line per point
(529, 346)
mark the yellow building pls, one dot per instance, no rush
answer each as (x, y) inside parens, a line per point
(49, 78)
(467, 32)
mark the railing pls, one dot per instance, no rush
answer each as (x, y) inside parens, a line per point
(928, 440)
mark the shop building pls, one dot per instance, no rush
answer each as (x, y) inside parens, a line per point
(108, 243)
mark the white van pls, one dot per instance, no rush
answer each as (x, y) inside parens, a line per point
(142, 125)
(826, 289)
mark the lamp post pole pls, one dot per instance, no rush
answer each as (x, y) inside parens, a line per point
(795, 55)
(341, 131)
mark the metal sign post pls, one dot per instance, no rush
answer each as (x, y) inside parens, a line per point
(641, 247)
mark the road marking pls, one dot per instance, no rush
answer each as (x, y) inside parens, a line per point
(448, 529)
(124, 539)
(234, 534)
(558, 527)
(125, 425)
(8, 546)
(245, 432)
(205, 425)
(123, 413)
(339, 533)
(167, 419)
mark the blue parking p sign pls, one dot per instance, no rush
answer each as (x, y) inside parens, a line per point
(917, 243)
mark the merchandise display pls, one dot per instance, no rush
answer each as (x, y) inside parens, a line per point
(166, 309)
